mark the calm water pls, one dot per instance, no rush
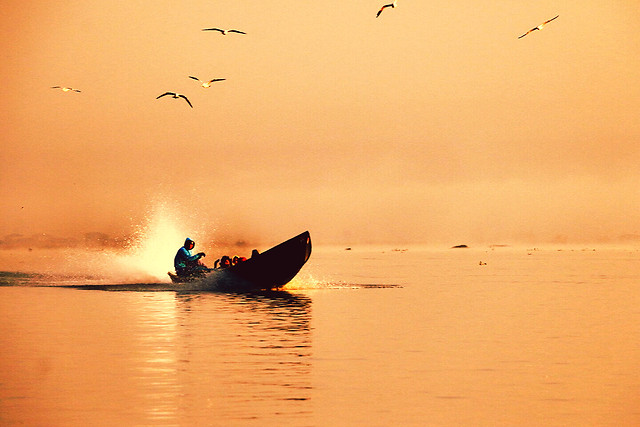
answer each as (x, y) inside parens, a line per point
(370, 337)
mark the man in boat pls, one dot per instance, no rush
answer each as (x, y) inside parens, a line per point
(187, 264)
(223, 262)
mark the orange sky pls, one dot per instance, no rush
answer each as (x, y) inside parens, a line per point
(431, 123)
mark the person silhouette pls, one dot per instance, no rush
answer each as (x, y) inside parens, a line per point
(187, 264)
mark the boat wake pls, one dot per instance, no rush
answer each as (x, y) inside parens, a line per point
(309, 283)
(87, 282)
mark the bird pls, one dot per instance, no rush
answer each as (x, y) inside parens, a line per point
(391, 5)
(176, 95)
(224, 32)
(539, 27)
(206, 84)
(65, 89)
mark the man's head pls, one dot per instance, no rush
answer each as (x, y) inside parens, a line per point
(189, 244)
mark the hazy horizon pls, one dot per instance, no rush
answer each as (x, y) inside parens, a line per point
(433, 123)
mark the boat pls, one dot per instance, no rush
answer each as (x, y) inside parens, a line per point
(269, 270)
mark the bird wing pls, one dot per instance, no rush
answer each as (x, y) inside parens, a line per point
(216, 80)
(164, 94)
(194, 78)
(546, 22)
(383, 8)
(525, 34)
(236, 31)
(213, 29)
(55, 87)
(186, 99)
(533, 29)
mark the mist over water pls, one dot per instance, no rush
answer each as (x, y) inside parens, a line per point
(411, 128)
(145, 256)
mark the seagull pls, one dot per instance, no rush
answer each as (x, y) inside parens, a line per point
(206, 84)
(65, 89)
(539, 27)
(176, 95)
(391, 5)
(224, 32)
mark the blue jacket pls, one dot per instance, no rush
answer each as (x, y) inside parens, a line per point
(184, 257)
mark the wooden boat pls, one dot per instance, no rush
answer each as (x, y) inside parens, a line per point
(271, 269)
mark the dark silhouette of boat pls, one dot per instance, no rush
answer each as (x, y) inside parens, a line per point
(271, 269)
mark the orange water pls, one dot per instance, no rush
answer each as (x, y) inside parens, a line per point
(370, 337)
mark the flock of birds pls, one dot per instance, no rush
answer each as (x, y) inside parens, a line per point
(224, 32)
(204, 83)
(539, 27)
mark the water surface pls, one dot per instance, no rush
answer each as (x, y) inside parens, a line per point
(369, 336)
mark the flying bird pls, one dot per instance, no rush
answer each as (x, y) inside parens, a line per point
(176, 96)
(65, 89)
(539, 27)
(206, 84)
(224, 32)
(391, 5)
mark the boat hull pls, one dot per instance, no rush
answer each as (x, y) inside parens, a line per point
(271, 269)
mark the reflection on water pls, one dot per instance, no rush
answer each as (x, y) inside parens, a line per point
(524, 339)
(265, 367)
(224, 356)
(155, 358)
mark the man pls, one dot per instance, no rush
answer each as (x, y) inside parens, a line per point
(187, 264)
